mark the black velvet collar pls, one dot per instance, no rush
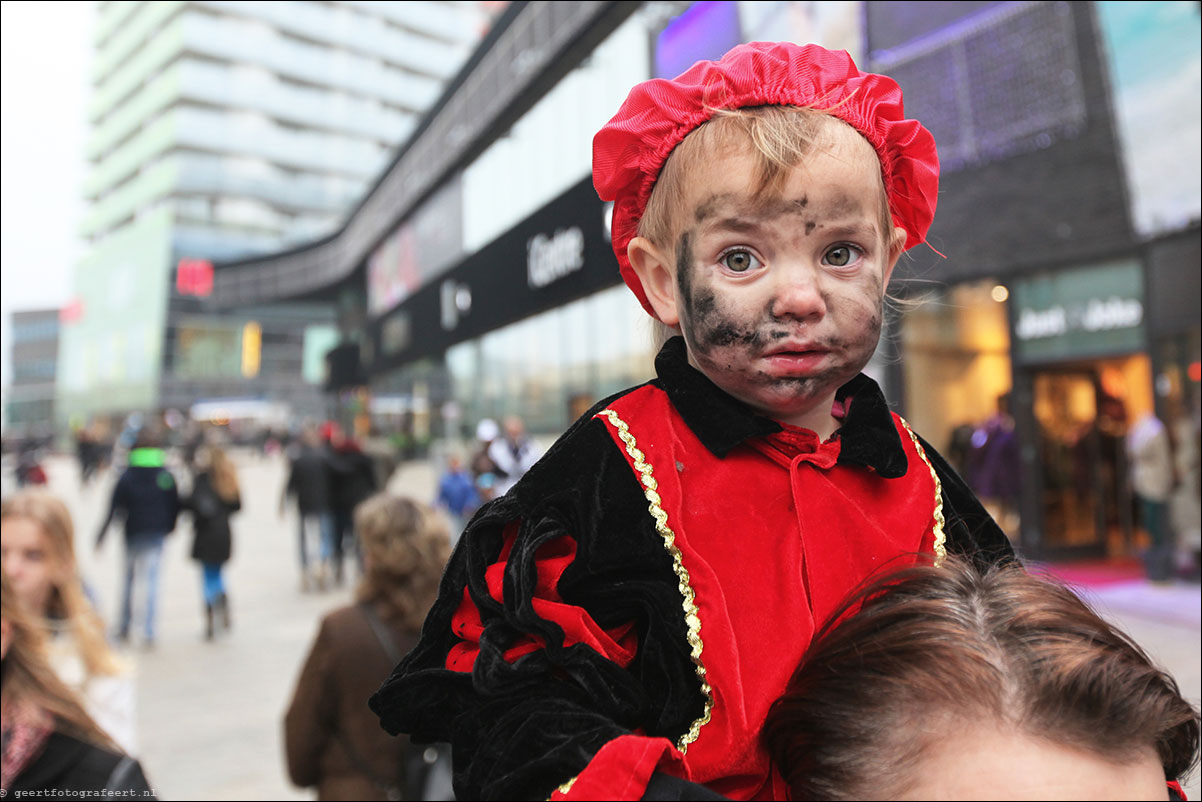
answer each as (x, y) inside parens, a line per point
(722, 422)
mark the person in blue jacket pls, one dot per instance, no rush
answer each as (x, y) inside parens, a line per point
(147, 497)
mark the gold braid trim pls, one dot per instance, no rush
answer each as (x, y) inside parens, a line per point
(692, 618)
(937, 528)
(689, 605)
(563, 789)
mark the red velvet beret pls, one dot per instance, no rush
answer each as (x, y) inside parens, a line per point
(632, 147)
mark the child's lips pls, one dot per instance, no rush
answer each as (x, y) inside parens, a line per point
(801, 359)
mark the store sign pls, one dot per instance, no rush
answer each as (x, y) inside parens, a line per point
(549, 259)
(557, 255)
(1079, 313)
(194, 277)
(396, 334)
(455, 302)
(1094, 315)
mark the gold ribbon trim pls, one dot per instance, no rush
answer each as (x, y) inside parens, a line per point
(937, 527)
(692, 618)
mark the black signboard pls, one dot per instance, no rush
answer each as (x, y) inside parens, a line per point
(555, 256)
(343, 367)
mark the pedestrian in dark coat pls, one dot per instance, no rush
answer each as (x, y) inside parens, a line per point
(332, 740)
(352, 480)
(213, 500)
(309, 482)
(148, 498)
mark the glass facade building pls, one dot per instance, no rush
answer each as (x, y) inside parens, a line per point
(33, 351)
(221, 130)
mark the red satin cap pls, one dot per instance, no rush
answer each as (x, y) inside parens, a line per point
(630, 150)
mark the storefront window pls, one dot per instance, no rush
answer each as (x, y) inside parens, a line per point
(1083, 412)
(956, 367)
(551, 367)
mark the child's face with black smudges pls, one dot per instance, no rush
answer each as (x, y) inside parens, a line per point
(779, 296)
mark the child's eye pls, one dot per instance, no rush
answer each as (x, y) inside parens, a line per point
(739, 261)
(842, 256)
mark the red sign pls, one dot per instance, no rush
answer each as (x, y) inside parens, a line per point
(194, 277)
(72, 312)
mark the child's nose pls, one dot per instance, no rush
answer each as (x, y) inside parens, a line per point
(798, 296)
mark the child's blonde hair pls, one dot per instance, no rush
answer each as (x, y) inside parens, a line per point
(780, 138)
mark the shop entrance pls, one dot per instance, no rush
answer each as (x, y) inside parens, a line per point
(1082, 413)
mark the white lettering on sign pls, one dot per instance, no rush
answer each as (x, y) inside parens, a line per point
(1113, 313)
(1096, 314)
(1033, 325)
(455, 302)
(548, 259)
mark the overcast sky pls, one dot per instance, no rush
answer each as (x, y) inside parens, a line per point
(46, 54)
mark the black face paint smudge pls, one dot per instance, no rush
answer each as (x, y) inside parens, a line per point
(684, 264)
(843, 206)
(779, 207)
(710, 327)
(710, 206)
(810, 226)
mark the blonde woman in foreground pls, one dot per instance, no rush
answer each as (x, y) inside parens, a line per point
(51, 746)
(37, 541)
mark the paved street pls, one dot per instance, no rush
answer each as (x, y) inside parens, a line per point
(210, 713)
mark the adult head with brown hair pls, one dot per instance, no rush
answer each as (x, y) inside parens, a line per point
(405, 546)
(37, 541)
(949, 683)
(332, 740)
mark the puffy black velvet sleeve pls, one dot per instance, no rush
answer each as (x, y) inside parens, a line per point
(520, 727)
(971, 530)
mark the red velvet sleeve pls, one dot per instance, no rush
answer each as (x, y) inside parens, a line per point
(617, 644)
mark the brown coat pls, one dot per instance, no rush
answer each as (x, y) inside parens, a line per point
(346, 666)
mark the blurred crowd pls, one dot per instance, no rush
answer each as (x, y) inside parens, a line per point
(70, 718)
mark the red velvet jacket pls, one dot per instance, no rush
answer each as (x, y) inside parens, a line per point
(639, 600)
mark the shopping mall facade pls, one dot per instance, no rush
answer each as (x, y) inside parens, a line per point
(1057, 304)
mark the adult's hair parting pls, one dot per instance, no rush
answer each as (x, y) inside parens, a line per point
(931, 648)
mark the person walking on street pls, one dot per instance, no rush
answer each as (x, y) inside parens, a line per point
(457, 495)
(352, 479)
(1153, 479)
(514, 454)
(485, 472)
(309, 482)
(147, 497)
(214, 498)
(331, 739)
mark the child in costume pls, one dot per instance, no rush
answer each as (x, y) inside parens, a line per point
(618, 625)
